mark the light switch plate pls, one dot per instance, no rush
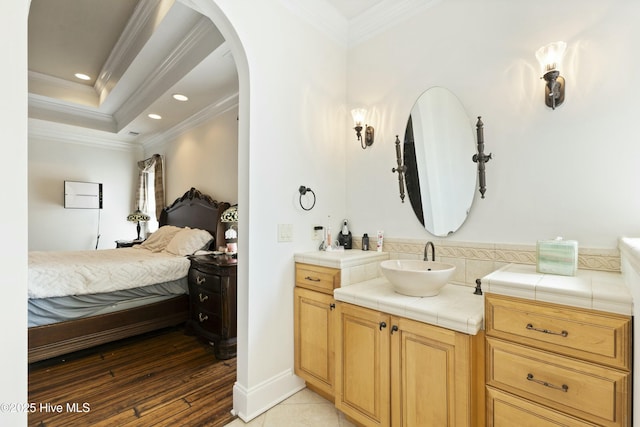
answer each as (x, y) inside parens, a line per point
(285, 232)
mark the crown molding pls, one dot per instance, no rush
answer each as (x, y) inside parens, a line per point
(133, 37)
(383, 16)
(52, 109)
(157, 82)
(68, 134)
(368, 24)
(54, 87)
(204, 115)
(322, 16)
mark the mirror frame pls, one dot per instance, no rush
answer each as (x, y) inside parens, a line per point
(438, 128)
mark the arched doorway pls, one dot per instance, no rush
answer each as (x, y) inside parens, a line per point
(211, 9)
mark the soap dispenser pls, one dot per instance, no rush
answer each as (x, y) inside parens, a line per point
(344, 238)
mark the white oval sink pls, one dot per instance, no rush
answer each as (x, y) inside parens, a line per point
(416, 277)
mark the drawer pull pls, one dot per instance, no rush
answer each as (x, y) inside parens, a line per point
(546, 331)
(202, 317)
(200, 280)
(564, 387)
(203, 298)
(313, 279)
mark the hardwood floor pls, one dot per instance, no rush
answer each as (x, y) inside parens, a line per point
(158, 379)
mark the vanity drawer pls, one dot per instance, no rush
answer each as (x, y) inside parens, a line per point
(317, 278)
(507, 410)
(593, 336)
(584, 390)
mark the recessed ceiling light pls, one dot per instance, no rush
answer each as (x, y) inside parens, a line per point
(82, 76)
(180, 97)
(155, 116)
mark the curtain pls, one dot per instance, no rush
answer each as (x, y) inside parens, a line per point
(151, 167)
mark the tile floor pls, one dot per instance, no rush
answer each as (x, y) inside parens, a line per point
(304, 408)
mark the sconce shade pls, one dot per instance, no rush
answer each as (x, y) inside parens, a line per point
(550, 56)
(359, 124)
(358, 116)
(550, 59)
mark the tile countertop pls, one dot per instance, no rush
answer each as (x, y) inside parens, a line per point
(596, 290)
(340, 259)
(455, 307)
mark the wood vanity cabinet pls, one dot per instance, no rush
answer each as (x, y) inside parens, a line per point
(314, 326)
(393, 371)
(552, 365)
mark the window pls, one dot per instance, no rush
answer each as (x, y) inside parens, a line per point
(150, 193)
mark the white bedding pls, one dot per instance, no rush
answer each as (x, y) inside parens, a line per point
(55, 274)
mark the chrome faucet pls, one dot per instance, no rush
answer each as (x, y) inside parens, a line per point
(426, 251)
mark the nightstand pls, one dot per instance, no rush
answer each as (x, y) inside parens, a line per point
(128, 243)
(213, 302)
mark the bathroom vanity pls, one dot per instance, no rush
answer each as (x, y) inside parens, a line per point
(385, 358)
(558, 349)
(317, 275)
(536, 349)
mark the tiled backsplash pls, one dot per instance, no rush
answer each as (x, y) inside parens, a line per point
(475, 260)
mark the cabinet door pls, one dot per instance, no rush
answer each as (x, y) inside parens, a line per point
(314, 338)
(362, 370)
(430, 375)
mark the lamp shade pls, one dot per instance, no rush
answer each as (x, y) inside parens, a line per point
(138, 216)
(230, 215)
(550, 56)
(358, 115)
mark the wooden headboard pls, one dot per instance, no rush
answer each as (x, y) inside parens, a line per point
(196, 210)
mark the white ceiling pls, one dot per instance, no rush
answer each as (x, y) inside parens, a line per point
(137, 54)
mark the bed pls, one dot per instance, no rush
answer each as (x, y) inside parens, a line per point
(141, 307)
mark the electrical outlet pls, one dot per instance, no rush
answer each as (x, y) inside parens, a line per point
(318, 233)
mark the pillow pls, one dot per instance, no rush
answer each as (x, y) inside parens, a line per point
(189, 240)
(159, 240)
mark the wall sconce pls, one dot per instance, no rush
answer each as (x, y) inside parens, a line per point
(550, 59)
(358, 120)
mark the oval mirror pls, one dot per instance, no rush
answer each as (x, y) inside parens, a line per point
(440, 175)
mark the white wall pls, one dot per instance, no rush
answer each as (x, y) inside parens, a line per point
(292, 91)
(51, 226)
(205, 157)
(571, 172)
(13, 216)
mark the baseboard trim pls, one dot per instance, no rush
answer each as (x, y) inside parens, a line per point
(250, 402)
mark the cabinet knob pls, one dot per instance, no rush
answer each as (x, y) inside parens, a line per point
(383, 325)
(202, 317)
(200, 280)
(394, 328)
(332, 306)
(203, 298)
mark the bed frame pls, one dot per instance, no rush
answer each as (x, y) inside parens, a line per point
(193, 209)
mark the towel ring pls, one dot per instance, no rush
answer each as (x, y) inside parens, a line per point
(303, 190)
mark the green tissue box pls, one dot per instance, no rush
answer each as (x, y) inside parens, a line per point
(557, 257)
